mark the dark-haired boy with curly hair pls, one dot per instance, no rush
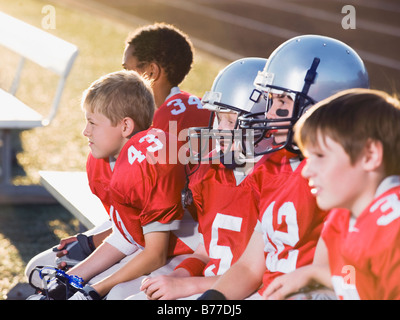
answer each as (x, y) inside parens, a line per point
(164, 54)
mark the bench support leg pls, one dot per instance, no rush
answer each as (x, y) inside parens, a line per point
(11, 194)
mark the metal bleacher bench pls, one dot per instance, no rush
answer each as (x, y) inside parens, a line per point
(45, 50)
(72, 190)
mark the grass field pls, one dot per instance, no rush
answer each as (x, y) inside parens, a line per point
(28, 230)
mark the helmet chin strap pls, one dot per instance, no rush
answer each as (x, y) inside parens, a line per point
(232, 162)
(311, 74)
(308, 81)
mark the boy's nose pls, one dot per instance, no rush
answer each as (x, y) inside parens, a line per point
(271, 114)
(306, 171)
(85, 131)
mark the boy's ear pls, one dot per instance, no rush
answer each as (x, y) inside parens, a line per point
(128, 127)
(373, 155)
(154, 71)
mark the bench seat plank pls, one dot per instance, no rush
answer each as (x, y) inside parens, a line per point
(72, 190)
(14, 114)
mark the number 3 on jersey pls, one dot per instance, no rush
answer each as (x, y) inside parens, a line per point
(137, 155)
(180, 107)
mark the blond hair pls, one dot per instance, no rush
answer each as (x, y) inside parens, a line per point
(121, 94)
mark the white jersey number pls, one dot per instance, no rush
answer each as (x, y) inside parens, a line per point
(390, 205)
(276, 240)
(137, 155)
(180, 107)
(224, 253)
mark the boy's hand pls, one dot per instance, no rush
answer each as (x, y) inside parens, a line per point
(62, 251)
(63, 243)
(288, 283)
(73, 250)
(163, 287)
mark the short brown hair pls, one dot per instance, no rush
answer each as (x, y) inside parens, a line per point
(351, 118)
(122, 94)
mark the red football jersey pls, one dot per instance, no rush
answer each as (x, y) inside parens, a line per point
(226, 212)
(146, 189)
(99, 175)
(179, 112)
(183, 109)
(364, 253)
(289, 217)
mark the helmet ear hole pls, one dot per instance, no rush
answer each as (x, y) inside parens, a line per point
(326, 64)
(233, 86)
(233, 90)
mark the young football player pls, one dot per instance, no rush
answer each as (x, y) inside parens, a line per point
(145, 188)
(164, 54)
(352, 145)
(226, 206)
(298, 73)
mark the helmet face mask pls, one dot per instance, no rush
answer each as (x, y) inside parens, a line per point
(229, 97)
(283, 109)
(231, 147)
(307, 69)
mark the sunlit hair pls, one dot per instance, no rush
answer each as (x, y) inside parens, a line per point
(121, 94)
(352, 118)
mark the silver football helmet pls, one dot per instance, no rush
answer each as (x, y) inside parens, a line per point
(305, 69)
(230, 92)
